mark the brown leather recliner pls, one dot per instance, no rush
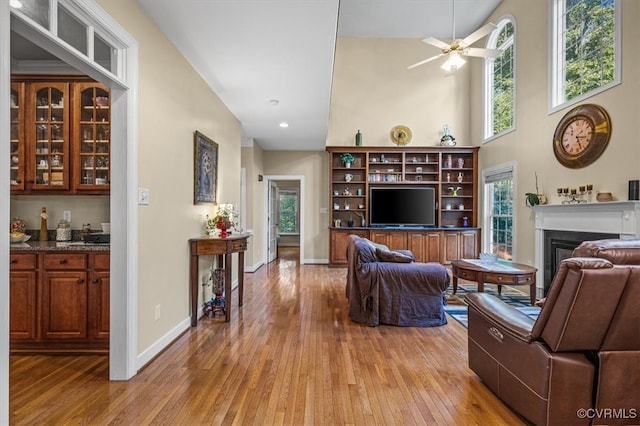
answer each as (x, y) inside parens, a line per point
(581, 353)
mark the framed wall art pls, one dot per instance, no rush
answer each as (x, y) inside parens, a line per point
(205, 173)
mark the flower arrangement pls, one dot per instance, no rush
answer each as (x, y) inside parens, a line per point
(225, 218)
(347, 158)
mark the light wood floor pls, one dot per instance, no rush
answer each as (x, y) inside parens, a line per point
(289, 356)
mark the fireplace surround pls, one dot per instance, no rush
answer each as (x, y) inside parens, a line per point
(570, 224)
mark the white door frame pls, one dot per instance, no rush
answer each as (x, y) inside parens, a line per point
(123, 201)
(267, 180)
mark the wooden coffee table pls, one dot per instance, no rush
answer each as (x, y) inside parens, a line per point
(500, 273)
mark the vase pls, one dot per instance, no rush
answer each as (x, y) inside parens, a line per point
(223, 231)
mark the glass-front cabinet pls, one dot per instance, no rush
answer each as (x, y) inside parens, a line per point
(60, 136)
(91, 106)
(48, 126)
(17, 143)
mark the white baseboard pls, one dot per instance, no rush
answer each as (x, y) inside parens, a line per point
(159, 345)
(316, 261)
(253, 268)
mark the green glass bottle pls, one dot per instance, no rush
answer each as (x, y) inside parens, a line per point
(358, 138)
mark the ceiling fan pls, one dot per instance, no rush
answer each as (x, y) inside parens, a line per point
(459, 47)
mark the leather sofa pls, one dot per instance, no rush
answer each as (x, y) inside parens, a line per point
(579, 362)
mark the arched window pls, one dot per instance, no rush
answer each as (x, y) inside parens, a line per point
(585, 49)
(500, 80)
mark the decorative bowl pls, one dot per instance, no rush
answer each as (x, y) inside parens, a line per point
(488, 258)
(604, 196)
(20, 238)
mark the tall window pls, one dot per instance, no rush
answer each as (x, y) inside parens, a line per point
(500, 81)
(586, 48)
(288, 203)
(498, 199)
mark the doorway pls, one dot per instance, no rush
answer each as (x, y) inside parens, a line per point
(122, 208)
(272, 219)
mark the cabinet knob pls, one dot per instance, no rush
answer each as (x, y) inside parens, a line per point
(14, 261)
(80, 280)
(31, 181)
(95, 280)
(18, 180)
(63, 261)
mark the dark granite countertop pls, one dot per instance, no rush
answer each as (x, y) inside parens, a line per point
(32, 246)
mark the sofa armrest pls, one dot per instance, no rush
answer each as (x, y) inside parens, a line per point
(506, 316)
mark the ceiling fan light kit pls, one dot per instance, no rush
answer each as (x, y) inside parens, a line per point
(455, 50)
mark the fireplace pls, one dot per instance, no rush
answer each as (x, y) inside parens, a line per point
(570, 224)
(559, 245)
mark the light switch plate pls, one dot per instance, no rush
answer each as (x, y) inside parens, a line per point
(143, 196)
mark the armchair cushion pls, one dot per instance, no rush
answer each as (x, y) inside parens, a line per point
(620, 252)
(394, 256)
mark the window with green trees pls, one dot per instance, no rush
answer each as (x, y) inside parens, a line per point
(500, 81)
(288, 211)
(498, 195)
(587, 42)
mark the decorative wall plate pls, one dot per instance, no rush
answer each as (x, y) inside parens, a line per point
(401, 135)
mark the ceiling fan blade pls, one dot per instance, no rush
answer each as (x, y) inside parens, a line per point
(478, 34)
(433, 58)
(436, 42)
(482, 53)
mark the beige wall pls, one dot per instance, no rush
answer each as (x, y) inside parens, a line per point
(173, 102)
(252, 161)
(313, 166)
(373, 91)
(530, 145)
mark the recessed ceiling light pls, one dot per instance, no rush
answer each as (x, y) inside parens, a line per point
(16, 4)
(274, 102)
(284, 125)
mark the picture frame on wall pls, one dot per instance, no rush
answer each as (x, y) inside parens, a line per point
(205, 170)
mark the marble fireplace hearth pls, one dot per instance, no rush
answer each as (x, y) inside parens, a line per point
(561, 227)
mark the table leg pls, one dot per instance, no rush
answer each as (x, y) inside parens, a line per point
(193, 272)
(532, 294)
(454, 281)
(240, 277)
(227, 286)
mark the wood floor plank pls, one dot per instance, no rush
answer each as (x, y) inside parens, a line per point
(289, 356)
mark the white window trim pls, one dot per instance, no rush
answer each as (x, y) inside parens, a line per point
(509, 167)
(487, 81)
(556, 47)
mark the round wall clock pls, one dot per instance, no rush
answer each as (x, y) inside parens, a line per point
(401, 135)
(582, 136)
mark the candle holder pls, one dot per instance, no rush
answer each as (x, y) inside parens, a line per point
(576, 195)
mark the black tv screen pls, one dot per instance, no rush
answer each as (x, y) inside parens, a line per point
(396, 206)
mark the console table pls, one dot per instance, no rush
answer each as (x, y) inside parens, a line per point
(500, 273)
(223, 248)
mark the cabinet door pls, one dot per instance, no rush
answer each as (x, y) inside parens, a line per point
(22, 322)
(417, 245)
(17, 140)
(92, 140)
(450, 247)
(432, 247)
(339, 244)
(98, 306)
(64, 305)
(469, 245)
(48, 165)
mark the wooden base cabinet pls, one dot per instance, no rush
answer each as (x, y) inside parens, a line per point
(339, 240)
(66, 309)
(436, 245)
(22, 299)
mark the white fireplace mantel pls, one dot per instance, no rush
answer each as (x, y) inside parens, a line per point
(613, 217)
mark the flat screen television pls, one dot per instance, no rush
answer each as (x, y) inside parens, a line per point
(402, 206)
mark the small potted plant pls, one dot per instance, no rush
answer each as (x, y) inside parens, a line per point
(533, 199)
(347, 159)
